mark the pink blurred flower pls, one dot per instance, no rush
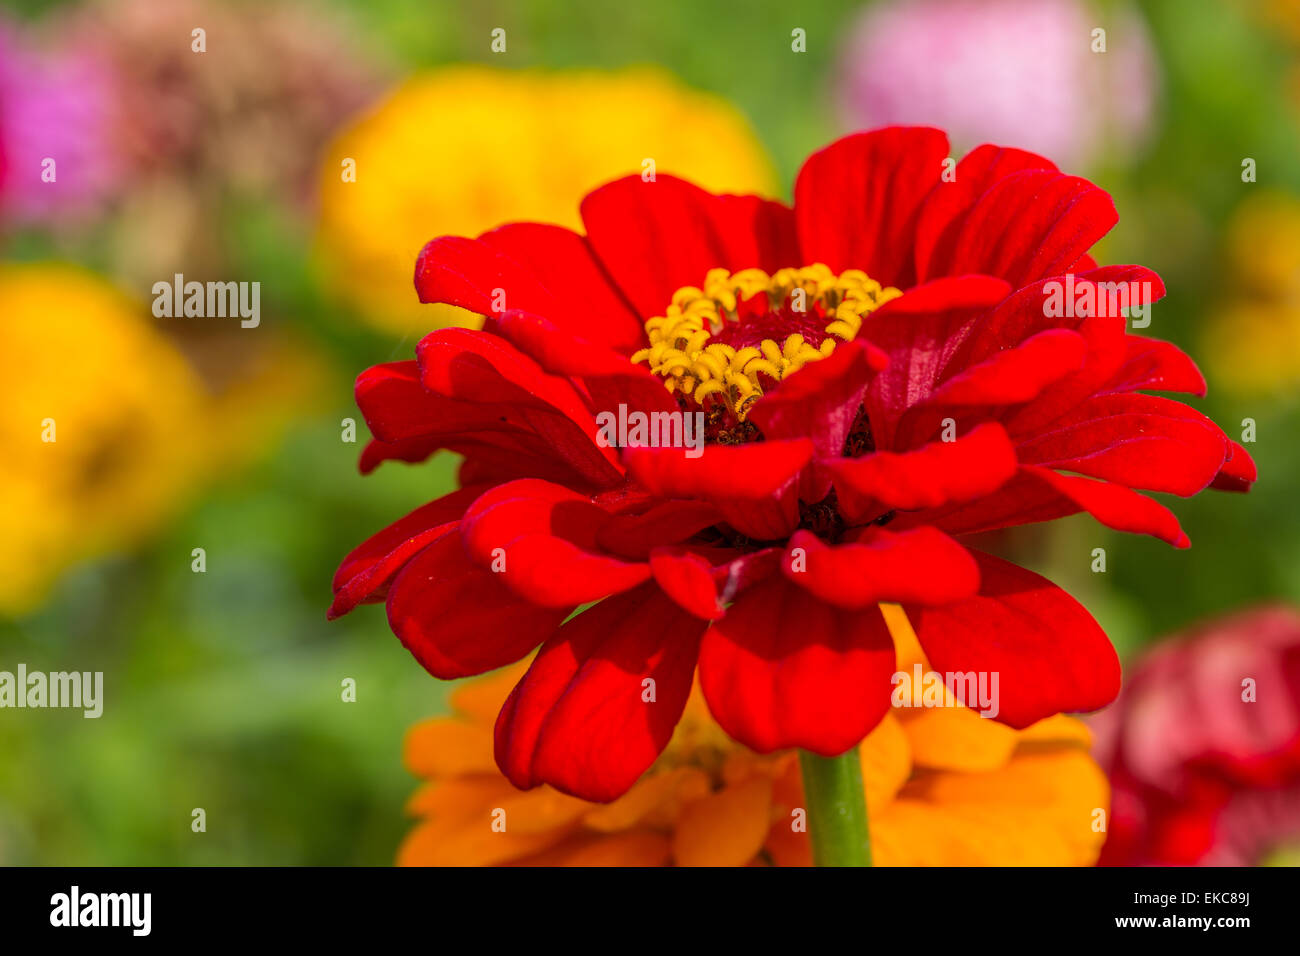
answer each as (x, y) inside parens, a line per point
(244, 119)
(1002, 71)
(53, 106)
(252, 112)
(1200, 773)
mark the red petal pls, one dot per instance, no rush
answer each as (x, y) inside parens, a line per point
(820, 401)
(412, 422)
(472, 275)
(1115, 506)
(579, 720)
(640, 390)
(1238, 472)
(936, 474)
(552, 572)
(923, 566)
(590, 306)
(750, 471)
(920, 332)
(1023, 317)
(1104, 336)
(394, 403)
(1049, 654)
(484, 370)
(557, 351)
(667, 522)
(946, 207)
(688, 579)
(538, 268)
(459, 620)
(752, 485)
(1022, 500)
(1016, 374)
(371, 564)
(412, 450)
(726, 575)
(857, 200)
(656, 237)
(494, 458)
(476, 366)
(1030, 224)
(784, 669)
(1137, 440)
(1012, 376)
(1156, 365)
(1026, 312)
(543, 538)
(736, 576)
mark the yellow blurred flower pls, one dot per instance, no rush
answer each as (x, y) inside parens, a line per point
(108, 429)
(1253, 343)
(944, 787)
(461, 150)
(97, 425)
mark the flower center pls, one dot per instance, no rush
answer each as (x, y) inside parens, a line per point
(743, 332)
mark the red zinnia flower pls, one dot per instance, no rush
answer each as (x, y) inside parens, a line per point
(879, 370)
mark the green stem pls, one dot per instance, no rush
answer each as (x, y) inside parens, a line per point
(837, 810)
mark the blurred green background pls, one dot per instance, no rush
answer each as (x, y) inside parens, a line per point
(223, 689)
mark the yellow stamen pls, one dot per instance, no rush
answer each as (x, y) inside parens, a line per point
(680, 347)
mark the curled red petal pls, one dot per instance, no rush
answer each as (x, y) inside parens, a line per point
(1238, 472)
(688, 579)
(458, 619)
(542, 539)
(784, 669)
(937, 474)
(748, 471)
(1156, 365)
(371, 565)
(922, 566)
(502, 389)
(600, 701)
(1114, 505)
(752, 485)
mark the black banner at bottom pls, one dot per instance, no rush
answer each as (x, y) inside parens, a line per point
(336, 905)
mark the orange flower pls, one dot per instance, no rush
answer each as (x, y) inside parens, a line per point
(944, 787)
